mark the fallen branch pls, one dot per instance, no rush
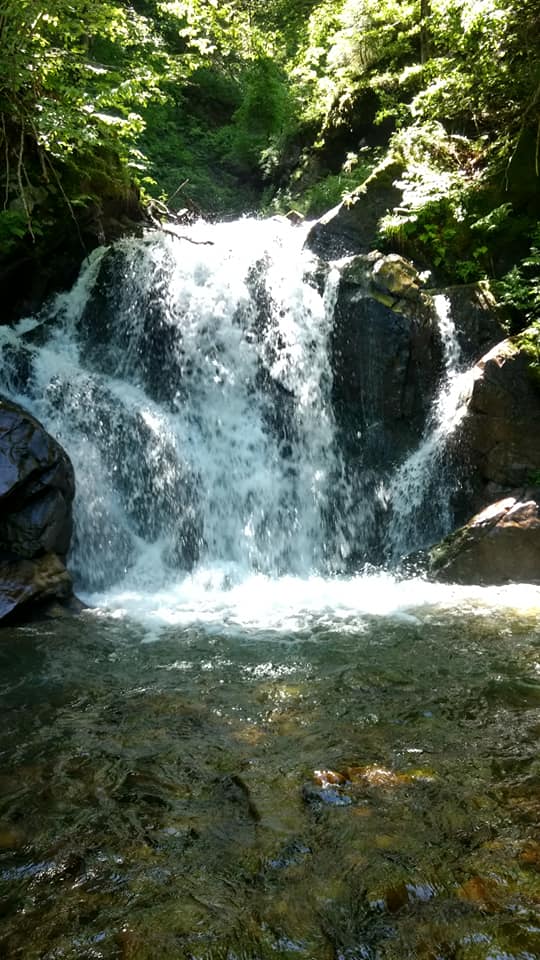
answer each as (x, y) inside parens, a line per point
(180, 236)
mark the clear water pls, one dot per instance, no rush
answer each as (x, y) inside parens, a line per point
(261, 756)
(167, 792)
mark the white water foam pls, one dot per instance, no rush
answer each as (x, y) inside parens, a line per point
(213, 599)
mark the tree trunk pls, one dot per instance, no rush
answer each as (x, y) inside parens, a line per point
(425, 13)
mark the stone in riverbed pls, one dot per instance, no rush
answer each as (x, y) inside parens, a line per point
(499, 545)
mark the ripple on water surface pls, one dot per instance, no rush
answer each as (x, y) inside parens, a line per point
(318, 769)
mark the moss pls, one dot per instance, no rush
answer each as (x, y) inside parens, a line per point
(384, 298)
(528, 342)
(443, 552)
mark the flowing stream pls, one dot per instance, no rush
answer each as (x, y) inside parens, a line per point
(245, 748)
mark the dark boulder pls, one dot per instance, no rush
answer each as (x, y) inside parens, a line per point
(386, 357)
(501, 544)
(36, 486)
(501, 432)
(387, 361)
(36, 493)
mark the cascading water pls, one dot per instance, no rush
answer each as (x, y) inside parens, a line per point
(189, 377)
(419, 492)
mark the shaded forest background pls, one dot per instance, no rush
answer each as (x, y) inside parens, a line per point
(263, 105)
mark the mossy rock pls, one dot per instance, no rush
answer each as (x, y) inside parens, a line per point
(528, 342)
(352, 226)
(499, 545)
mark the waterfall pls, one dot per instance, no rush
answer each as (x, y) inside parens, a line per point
(418, 495)
(188, 375)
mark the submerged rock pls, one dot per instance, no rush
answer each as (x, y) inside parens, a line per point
(36, 493)
(501, 544)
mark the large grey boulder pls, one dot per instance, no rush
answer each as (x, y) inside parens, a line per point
(36, 493)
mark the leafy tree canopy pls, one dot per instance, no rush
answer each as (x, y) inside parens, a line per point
(267, 103)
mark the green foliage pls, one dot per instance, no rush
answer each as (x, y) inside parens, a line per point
(168, 91)
(250, 102)
(346, 44)
(529, 343)
(13, 226)
(72, 82)
(327, 192)
(520, 287)
(261, 119)
(437, 220)
(460, 81)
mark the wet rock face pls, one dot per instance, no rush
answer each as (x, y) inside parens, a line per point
(499, 545)
(502, 428)
(386, 357)
(36, 493)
